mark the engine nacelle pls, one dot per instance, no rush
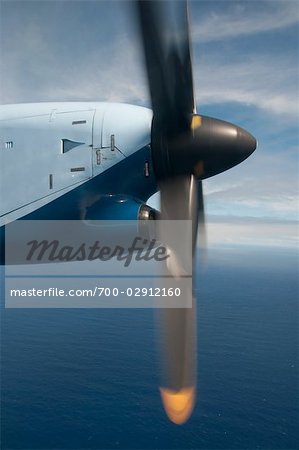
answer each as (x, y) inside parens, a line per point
(120, 207)
(134, 216)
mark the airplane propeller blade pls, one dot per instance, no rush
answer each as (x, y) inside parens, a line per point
(179, 201)
(165, 33)
(186, 148)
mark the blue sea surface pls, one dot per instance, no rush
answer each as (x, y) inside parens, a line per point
(88, 378)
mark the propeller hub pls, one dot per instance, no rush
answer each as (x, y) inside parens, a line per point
(204, 148)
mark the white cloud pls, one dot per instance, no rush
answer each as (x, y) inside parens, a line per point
(37, 69)
(258, 81)
(241, 20)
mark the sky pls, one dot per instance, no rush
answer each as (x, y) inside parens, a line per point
(246, 71)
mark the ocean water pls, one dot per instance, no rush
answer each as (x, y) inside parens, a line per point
(88, 379)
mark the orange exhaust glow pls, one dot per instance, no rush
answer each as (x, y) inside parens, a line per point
(178, 405)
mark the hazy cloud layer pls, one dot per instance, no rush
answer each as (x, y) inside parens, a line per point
(246, 231)
(265, 185)
(226, 229)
